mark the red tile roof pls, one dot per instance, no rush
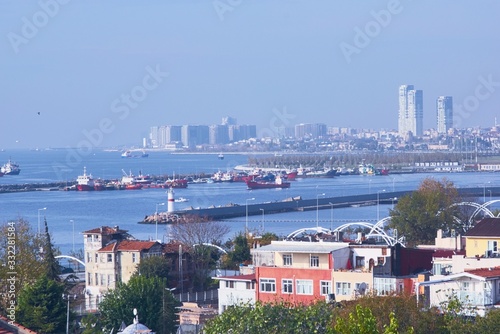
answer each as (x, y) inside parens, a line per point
(128, 245)
(488, 227)
(105, 230)
(486, 272)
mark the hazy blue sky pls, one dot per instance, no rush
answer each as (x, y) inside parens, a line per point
(100, 67)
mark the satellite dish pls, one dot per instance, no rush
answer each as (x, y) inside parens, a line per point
(362, 288)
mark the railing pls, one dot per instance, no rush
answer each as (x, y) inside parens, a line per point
(209, 296)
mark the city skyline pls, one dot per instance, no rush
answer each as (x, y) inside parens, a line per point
(100, 74)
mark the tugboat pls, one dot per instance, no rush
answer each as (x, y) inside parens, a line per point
(85, 182)
(10, 168)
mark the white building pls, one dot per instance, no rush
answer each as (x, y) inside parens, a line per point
(236, 290)
(444, 108)
(410, 111)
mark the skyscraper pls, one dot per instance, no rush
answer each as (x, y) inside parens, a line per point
(444, 108)
(411, 111)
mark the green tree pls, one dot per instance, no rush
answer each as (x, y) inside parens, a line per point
(273, 318)
(41, 306)
(154, 266)
(240, 252)
(420, 214)
(91, 324)
(155, 305)
(20, 249)
(52, 268)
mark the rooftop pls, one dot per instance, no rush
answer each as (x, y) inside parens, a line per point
(487, 227)
(105, 230)
(128, 245)
(302, 247)
(485, 272)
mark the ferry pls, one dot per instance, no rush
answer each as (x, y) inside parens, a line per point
(10, 168)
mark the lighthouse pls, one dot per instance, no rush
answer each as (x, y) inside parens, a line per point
(170, 207)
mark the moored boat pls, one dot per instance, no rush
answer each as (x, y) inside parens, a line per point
(277, 183)
(176, 183)
(85, 182)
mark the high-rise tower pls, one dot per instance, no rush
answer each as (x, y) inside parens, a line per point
(411, 111)
(444, 108)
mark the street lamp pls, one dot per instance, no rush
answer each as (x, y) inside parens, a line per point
(378, 203)
(331, 216)
(262, 218)
(317, 208)
(39, 219)
(246, 213)
(484, 191)
(156, 219)
(73, 223)
(68, 297)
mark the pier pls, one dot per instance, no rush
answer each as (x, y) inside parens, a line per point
(299, 204)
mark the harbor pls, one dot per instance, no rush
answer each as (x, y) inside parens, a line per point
(293, 204)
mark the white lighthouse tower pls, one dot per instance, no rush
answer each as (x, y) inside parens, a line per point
(170, 207)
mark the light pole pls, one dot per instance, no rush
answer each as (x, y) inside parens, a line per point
(262, 218)
(246, 213)
(317, 208)
(490, 194)
(68, 297)
(39, 219)
(73, 223)
(484, 191)
(378, 204)
(156, 219)
(331, 216)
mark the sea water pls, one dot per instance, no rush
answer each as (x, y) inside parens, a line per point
(69, 213)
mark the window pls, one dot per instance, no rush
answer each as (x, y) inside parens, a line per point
(360, 261)
(110, 279)
(103, 279)
(492, 246)
(230, 284)
(314, 261)
(343, 288)
(250, 285)
(96, 257)
(96, 279)
(287, 259)
(325, 287)
(304, 287)
(89, 258)
(89, 279)
(134, 257)
(267, 285)
(380, 260)
(287, 285)
(110, 257)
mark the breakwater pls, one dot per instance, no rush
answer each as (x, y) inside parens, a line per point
(299, 204)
